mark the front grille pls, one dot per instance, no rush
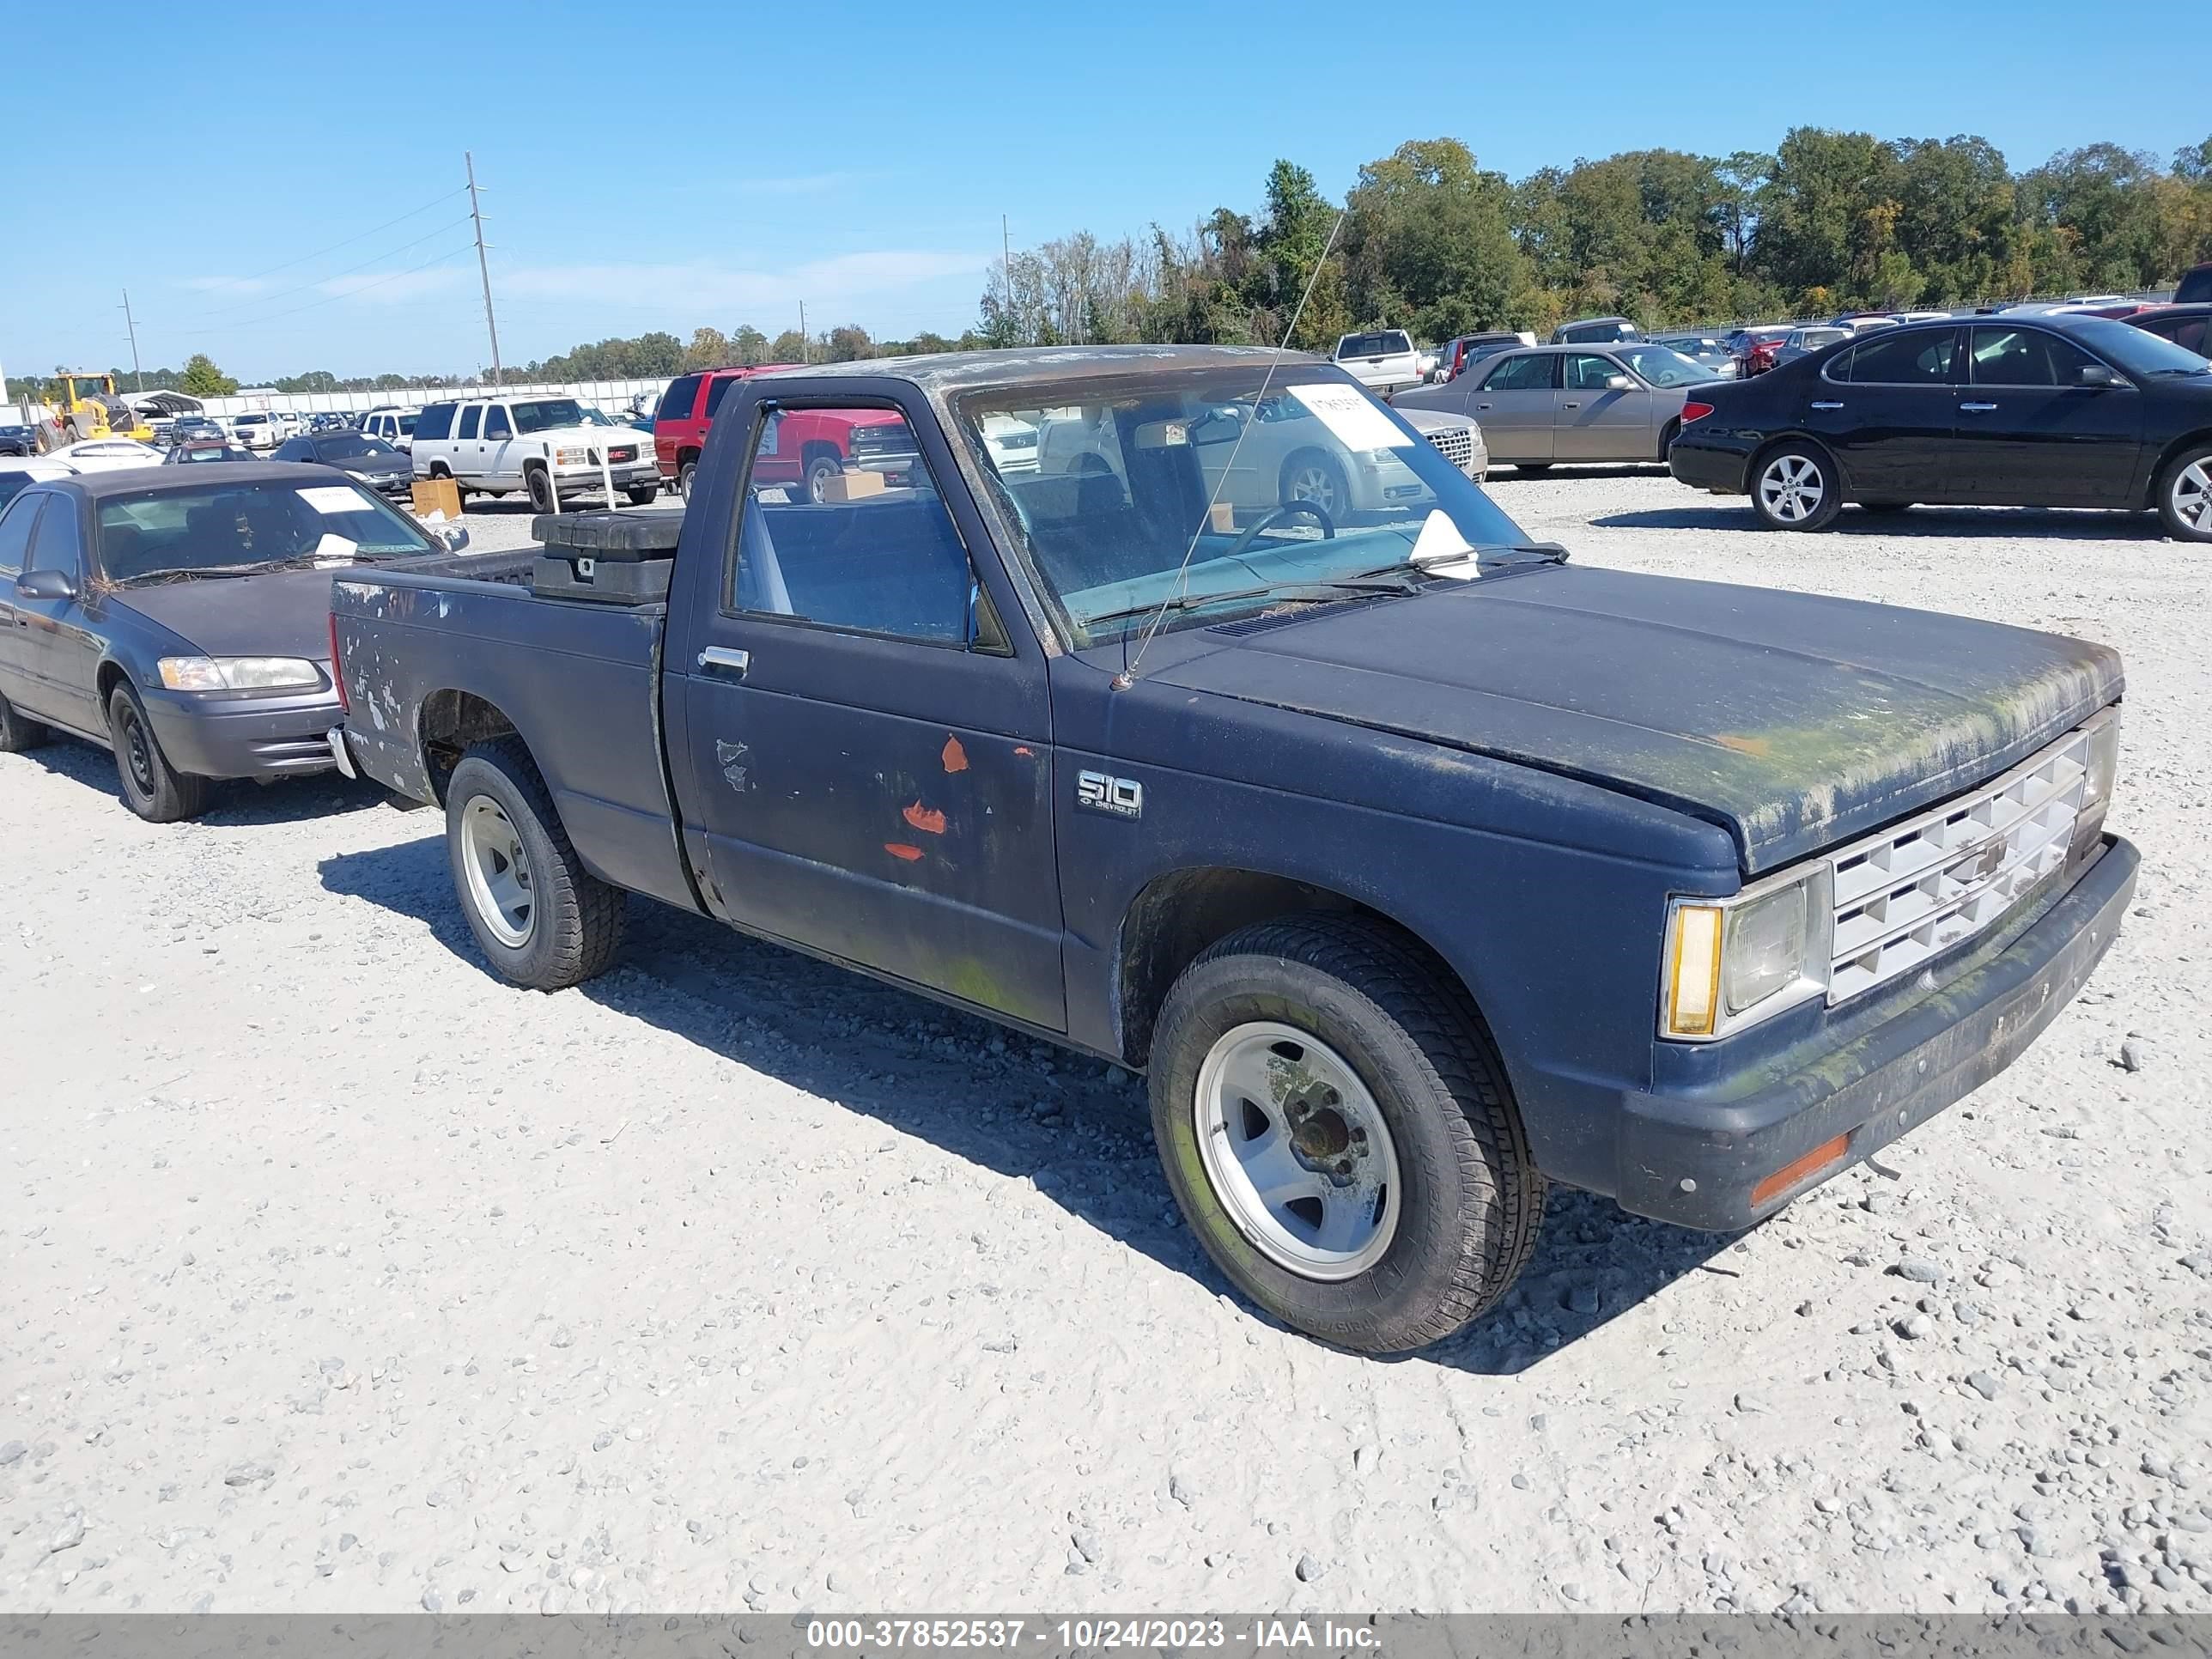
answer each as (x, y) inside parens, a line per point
(1457, 444)
(1914, 891)
(626, 454)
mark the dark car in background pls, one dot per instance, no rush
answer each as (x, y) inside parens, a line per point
(1754, 348)
(2195, 286)
(18, 441)
(1595, 330)
(182, 619)
(1456, 355)
(368, 460)
(195, 452)
(1997, 411)
(2188, 326)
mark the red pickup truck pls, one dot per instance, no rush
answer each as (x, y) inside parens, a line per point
(811, 447)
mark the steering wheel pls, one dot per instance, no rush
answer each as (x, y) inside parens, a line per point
(1288, 510)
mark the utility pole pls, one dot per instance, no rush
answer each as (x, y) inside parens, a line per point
(806, 344)
(137, 373)
(1006, 261)
(483, 267)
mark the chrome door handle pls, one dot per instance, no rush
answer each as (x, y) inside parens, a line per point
(1976, 409)
(1828, 404)
(1569, 405)
(724, 659)
(1482, 406)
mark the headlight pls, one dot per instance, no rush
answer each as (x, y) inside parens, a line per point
(1731, 962)
(237, 673)
(1382, 457)
(2104, 766)
(571, 457)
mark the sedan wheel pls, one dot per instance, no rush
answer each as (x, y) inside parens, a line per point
(1315, 477)
(1796, 489)
(2185, 502)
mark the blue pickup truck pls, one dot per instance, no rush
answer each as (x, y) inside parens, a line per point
(1182, 706)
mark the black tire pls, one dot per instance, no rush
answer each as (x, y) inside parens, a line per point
(685, 475)
(151, 787)
(577, 920)
(1312, 475)
(1811, 502)
(820, 469)
(1668, 434)
(539, 484)
(1470, 1200)
(18, 731)
(643, 494)
(2184, 496)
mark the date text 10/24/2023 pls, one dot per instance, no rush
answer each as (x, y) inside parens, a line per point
(1257, 1635)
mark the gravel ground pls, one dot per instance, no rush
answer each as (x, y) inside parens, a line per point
(339, 1277)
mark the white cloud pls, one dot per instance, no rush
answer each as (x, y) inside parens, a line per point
(698, 288)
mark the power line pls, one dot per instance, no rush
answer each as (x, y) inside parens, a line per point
(348, 241)
(286, 294)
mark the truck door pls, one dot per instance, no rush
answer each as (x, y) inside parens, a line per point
(501, 465)
(468, 450)
(868, 752)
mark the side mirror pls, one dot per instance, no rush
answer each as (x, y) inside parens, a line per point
(45, 585)
(1618, 383)
(2097, 374)
(455, 536)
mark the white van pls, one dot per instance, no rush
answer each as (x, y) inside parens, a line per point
(536, 444)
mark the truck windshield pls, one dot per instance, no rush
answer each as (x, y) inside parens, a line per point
(238, 528)
(1133, 491)
(546, 413)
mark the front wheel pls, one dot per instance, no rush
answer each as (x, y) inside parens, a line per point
(685, 475)
(1339, 1133)
(2184, 496)
(540, 484)
(1796, 488)
(819, 471)
(643, 494)
(541, 918)
(152, 788)
(1312, 477)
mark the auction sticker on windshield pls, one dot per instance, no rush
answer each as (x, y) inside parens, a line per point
(332, 498)
(1350, 416)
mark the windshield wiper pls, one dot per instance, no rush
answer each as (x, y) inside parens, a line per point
(190, 570)
(1363, 583)
(1546, 552)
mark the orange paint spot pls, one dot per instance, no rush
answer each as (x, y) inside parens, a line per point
(1759, 747)
(927, 819)
(956, 758)
(899, 850)
(1024, 751)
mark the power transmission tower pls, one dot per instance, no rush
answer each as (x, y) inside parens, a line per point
(484, 269)
(137, 373)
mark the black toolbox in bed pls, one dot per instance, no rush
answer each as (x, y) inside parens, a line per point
(621, 558)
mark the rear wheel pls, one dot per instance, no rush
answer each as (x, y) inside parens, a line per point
(685, 475)
(1795, 488)
(1339, 1133)
(541, 918)
(643, 494)
(1668, 434)
(819, 471)
(18, 731)
(152, 788)
(2184, 496)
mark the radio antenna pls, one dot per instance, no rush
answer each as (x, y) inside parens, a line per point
(1128, 677)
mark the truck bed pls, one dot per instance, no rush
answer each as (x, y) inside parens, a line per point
(438, 653)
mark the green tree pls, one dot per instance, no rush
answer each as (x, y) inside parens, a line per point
(709, 349)
(790, 346)
(1430, 243)
(202, 379)
(749, 347)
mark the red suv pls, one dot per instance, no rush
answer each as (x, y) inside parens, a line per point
(687, 409)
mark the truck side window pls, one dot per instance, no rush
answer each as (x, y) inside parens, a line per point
(495, 424)
(470, 417)
(843, 525)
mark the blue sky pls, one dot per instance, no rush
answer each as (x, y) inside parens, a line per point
(280, 207)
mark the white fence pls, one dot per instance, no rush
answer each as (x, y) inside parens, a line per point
(608, 394)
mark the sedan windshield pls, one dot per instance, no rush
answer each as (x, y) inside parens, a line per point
(2138, 351)
(1184, 488)
(546, 413)
(1663, 366)
(356, 447)
(237, 529)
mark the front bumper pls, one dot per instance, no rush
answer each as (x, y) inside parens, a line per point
(593, 480)
(243, 737)
(1697, 1158)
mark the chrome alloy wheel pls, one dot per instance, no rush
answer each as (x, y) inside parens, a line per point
(1296, 1151)
(1791, 488)
(498, 873)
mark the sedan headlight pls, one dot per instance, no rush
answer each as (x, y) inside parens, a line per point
(1733, 962)
(238, 673)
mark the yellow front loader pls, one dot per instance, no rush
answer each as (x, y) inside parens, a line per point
(89, 408)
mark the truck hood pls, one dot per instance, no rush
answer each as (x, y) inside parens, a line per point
(286, 613)
(1790, 720)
